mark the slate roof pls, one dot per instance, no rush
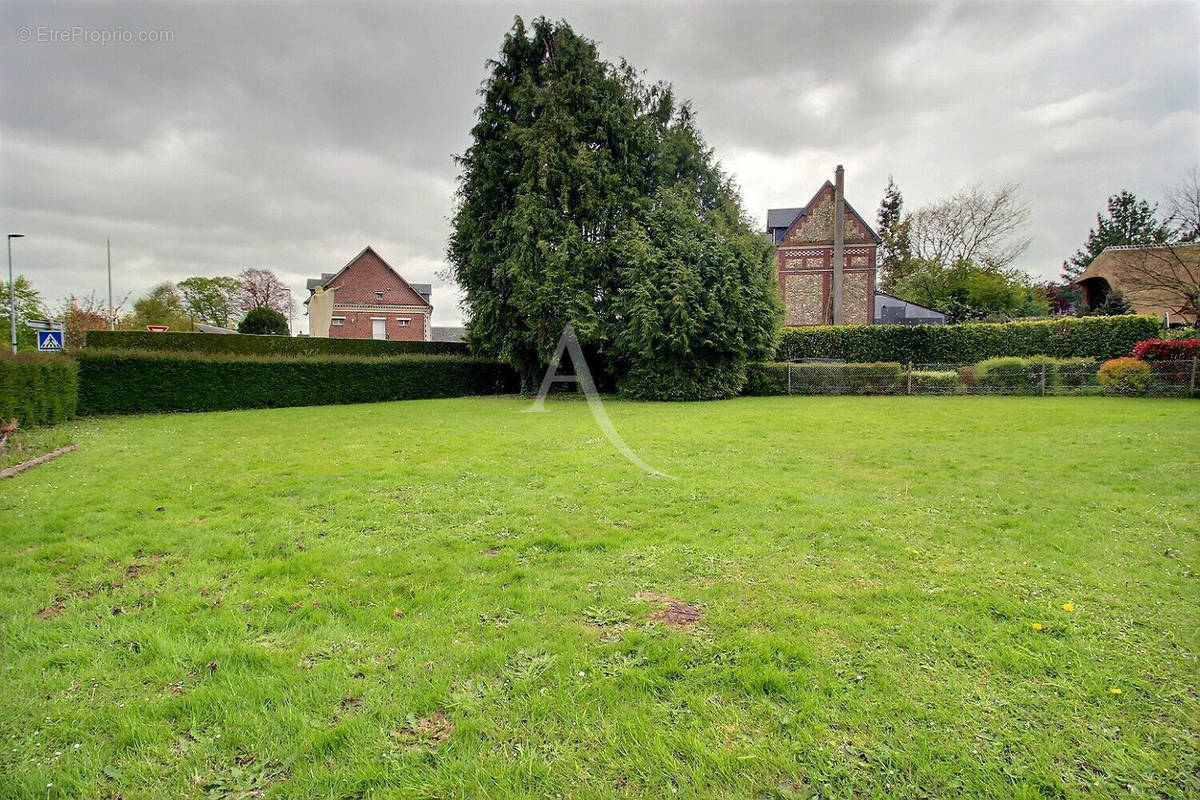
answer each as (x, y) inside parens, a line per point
(782, 217)
(446, 334)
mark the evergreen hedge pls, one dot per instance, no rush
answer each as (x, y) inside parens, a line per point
(246, 344)
(37, 389)
(122, 382)
(1083, 337)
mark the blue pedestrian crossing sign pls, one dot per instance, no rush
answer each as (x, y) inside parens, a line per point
(50, 341)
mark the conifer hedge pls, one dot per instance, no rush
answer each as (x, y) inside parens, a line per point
(246, 344)
(37, 389)
(121, 382)
(1083, 337)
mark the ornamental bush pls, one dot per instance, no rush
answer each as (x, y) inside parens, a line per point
(121, 382)
(937, 382)
(264, 321)
(37, 389)
(1085, 337)
(1124, 376)
(234, 343)
(1008, 376)
(1166, 349)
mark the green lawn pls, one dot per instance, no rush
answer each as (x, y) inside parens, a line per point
(454, 599)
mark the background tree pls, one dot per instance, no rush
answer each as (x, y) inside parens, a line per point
(966, 291)
(1114, 305)
(83, 314)
(1128, 221)
(896, 251)
(1183, 208)
(262, 288)
(213, 300)
(973, 226)
(263, 320)
(162, 305)
(573, 164)
(29, 306)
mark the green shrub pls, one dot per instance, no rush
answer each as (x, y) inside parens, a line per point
(1007, 376)
(774, 379)
(1124, 376)
(1077, 373)
(119, 382)
(37, 389)
(937, 382)
(763, 380)
(1086, 337)
(265, 322)
(265, 345)
(665, 380)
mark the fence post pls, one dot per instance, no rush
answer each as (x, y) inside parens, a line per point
(789, 369)
(1043, 379)
(909, 377)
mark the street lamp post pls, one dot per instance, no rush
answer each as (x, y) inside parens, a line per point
(12, 293)
(291, 304)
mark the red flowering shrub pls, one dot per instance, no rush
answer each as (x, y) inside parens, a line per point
(1166, 349)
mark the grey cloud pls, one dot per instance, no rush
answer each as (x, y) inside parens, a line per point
(290, 135)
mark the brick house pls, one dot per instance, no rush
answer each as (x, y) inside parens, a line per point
(804, 256)
(367, 299)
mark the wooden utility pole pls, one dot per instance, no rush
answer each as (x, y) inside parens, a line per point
(112, 323)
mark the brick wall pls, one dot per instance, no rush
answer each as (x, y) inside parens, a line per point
(357, 323)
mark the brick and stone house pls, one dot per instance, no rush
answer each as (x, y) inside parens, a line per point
(805, 243)
(367, 299)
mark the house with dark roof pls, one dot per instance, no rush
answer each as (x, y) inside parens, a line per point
(368, 299)
(804, 239)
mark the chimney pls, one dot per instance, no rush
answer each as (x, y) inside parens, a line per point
(839, 259)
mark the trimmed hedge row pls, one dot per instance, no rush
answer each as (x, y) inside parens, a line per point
(1083, 337)
(245, 344)
(119, 382)
(772, 379)
(37, 389)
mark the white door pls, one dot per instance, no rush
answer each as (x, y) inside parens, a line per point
(379, 329)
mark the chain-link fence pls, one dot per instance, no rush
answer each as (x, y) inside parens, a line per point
(996, 376)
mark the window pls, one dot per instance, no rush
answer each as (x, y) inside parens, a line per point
(338, 321)
(403, 321)
(379, 295)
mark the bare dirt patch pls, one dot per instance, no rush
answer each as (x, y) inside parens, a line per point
(52, 610)
(428, 732)
(672, 612)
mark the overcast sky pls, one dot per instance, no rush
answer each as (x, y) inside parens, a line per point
(212, 137)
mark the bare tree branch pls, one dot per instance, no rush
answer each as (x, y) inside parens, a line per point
(973, 225)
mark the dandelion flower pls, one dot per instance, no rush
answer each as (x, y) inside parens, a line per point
(1037, 626)
(1068, 606)
(1115, 690)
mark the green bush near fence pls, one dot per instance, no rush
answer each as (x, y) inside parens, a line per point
(37, 389)
(245, 344)
(773, 379)
(937, 382)
(1084, 337)
(121, 382)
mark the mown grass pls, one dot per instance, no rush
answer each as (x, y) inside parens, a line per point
(450, 598)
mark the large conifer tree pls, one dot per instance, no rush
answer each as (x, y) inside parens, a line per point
(573, 162)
